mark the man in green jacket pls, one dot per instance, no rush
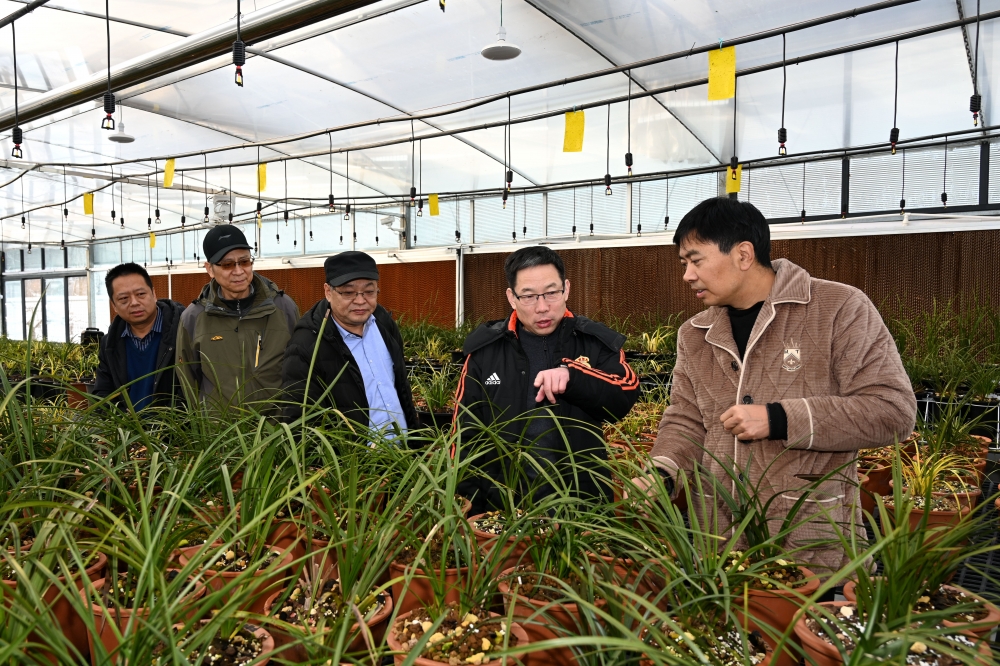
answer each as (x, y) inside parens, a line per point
(232, 337)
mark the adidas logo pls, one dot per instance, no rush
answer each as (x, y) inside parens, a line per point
(493, 380)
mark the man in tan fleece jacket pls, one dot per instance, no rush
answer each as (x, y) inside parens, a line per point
(785, 372)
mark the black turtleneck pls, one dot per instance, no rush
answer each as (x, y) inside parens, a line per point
(742, 323)
(241, 305)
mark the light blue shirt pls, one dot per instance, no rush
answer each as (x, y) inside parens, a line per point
(372, 357)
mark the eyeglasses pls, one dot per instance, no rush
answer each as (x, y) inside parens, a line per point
(531, 299)
(245, 262)
(369, 294)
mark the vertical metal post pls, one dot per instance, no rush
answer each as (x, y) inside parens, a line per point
(91, 312)
(354, 233)
(845, 186)
(65, 282)
(984, 174)
(459, 287)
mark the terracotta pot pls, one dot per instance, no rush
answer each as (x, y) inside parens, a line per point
(865, 493)
(419, 592)
(295, 653)
(823, 653)
(937, 521)
(523, 638)
(558, 620)
(982, 628)
(265, 585)
(776, 610)
(74, 399)
(73, 626)
(103, 621)
(514, 546)
(879, 475)
(290, 536)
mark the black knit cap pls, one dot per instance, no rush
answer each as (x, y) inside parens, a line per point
(221, 240)
(346, 266)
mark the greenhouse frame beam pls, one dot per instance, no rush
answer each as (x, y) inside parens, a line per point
(264, 24)
(13, 16)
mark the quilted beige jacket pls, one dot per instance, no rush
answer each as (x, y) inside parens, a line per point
(821, 350)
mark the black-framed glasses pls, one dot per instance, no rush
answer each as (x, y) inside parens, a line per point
(549, 296)
(245, 262)
(369, 294)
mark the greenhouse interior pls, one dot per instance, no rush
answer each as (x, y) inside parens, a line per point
(637, 332)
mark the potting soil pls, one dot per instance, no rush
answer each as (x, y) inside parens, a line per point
(459, 639)
(236, 559)
(239, 650)
(724, 644)
(310, 610)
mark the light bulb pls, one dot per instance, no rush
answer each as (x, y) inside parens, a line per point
(157, 215)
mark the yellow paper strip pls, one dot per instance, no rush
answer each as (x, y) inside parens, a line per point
(261, 177)
(432, 202)
(88, 203)
(168, 174)
(152, 240)
(733, 184)
(722, 73)
(573, 139)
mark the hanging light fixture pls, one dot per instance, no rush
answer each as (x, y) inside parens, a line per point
(239, 50)
(330, 136)
(183, 202)
(420, 199)
(666, 207)
(639, 226)
(121, 201)
(803, 220)
(65, 217)
(17, 136)
(782, 132)
(894, 132)
(607, 176)
(205, 157)
(944, 179)
(109, 97)
(976, 101)
(734, 161)
(902, 191)
(347, 184)
(500, 49)
(628, 125)
(157, 174)
(413, 170)
(574, 211)
(149, 206)
(510, 149)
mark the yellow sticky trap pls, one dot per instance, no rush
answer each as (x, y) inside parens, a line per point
(722, 73)
(733, 184)
(573, 138)
(261, 177)
(432, 202)
(88, 203)
(152, 240)
(168, 174)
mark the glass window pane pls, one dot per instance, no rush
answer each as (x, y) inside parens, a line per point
(107, 254)
(55, 309)
(13, 258)
(79, 306)
(76, 256)
(99, 297)
(15, 310)
(55, 258)
(327, 233)
(33, 308)
(33, 260)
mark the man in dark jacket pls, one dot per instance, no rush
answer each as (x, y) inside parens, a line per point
(540, 366)
(138, 350)
(360, 351)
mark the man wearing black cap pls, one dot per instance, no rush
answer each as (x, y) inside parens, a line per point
(232, 337)
(360, 351)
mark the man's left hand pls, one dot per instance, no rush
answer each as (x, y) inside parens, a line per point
(551, 383)
(747, 422)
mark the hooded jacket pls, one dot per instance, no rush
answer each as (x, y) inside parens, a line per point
(231, 357)
(335, 363)
(494, 389)
(820, 349)
(112, 370)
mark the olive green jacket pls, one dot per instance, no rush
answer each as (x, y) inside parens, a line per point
(229, 357)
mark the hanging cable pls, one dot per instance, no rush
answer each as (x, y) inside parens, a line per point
(510, 138)
(506, 143)
(734, 161)
(65, 217)
(944, 181)
(513, 222)
(239, 49)
(376, 225)
(156, 172)
(259, 205)
(628, 131)
(574, 211)
(204, 155)
(803, 192)
(639, 226)
(782, 132)
(17, 135)
(183, 202)
(149, 206)
(524, 216)
(330, 201)
(607, 157)
(23, 217)
(113, 193)
(109, 97)
(591, 210)
(666, 207)
(976, 101)
(894, 132)
(902, 190)
(232, 199)
(347, 185)
(311, 225)
(413, 168)
(420, 176)
(121, 201)
(458, 226)
(277, 224)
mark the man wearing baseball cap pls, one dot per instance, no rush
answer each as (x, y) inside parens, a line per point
(232, 337)
(358, 349)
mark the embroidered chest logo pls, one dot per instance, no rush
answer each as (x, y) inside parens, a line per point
(493, 380)
(792, 360)
(216, 337)
(583, 360)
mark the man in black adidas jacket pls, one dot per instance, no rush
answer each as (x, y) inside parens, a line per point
(541, 362)
(367, 395)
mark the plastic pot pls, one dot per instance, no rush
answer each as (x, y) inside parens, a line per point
(264, 582)
(295, 653)
(516, 630)
(776, 610)
(419, 592)
(982, 628)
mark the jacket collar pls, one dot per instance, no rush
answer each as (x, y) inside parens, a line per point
(265, 292)
(512, 322)
(791, 285)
